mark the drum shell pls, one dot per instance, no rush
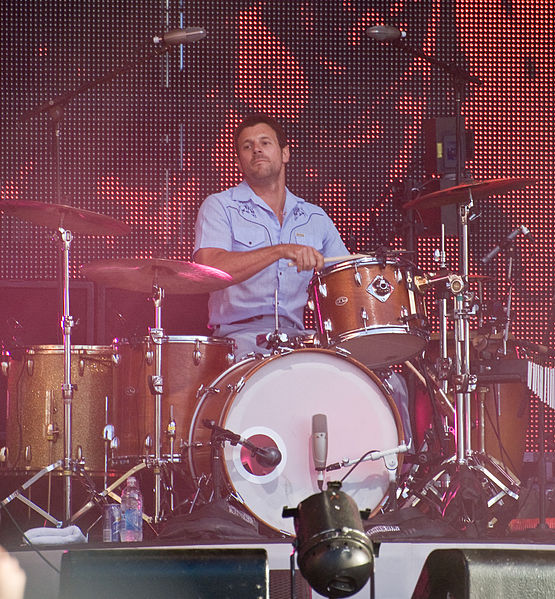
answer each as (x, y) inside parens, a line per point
(395, 327)
(270, 402)
(188, 362)
(35, 401)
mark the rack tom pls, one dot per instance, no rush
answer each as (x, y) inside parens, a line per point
(371, 309)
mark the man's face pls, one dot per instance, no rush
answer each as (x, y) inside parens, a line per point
(259, 157)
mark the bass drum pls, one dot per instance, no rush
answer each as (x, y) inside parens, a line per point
(270, 402)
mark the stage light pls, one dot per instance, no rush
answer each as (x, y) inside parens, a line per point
(334, 554)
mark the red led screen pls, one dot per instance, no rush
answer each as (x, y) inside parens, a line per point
(147, 147)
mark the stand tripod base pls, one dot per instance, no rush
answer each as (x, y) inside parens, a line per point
(475, 497)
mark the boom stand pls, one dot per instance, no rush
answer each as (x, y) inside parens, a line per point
(464, 383)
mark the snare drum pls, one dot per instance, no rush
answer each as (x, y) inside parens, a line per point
(270, 402)
(188, 362)
(35, 417)
(371, 309)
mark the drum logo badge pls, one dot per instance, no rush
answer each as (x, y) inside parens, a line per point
(341, 300)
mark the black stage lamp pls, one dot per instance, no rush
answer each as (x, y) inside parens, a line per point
(334, 553)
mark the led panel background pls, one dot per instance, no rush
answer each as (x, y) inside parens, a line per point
(147, 147)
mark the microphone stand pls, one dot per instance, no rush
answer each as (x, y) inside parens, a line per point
(55, 110)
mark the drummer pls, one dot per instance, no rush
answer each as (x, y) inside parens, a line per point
(255, 232)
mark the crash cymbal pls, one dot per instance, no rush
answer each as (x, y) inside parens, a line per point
(461, 193)
(141, 274)
(55, 216)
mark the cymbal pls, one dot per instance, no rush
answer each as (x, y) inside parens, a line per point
(55, 216)
(461, 193)
(141, 274)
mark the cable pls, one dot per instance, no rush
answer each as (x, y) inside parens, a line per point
(357, 463)
(31, 544)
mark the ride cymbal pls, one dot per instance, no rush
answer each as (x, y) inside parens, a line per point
(460, 194)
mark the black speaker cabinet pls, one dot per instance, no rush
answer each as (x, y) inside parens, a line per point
(487, 574)
(30, 311)
(156, 573)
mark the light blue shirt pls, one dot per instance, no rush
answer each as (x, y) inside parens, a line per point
(237, 220)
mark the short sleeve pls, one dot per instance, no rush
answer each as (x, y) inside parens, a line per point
(212, 227)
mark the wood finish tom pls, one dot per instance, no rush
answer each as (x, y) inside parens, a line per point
(35, 414)
(371, 309)
(188, 364)
(270, 402)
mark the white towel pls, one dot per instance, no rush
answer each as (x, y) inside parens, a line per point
(55, 536)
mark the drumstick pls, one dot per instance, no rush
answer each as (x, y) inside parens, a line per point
(338, 258)
(446, 401)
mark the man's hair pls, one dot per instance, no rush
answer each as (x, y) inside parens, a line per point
(254, 119)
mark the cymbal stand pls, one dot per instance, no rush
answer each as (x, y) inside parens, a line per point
(464, 381)
(443, 349)
(67, 387)
(156, 385)
(66, 463)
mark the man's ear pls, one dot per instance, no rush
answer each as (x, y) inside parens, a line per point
(285, 154)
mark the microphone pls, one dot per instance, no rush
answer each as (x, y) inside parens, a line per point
(320, 445)
(180, 36)
(507, 242)
(385, 33)
(526, 232)
(267, 456)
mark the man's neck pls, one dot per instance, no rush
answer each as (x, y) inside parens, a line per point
(272, 193)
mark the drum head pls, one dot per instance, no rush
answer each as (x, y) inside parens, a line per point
(274, 407)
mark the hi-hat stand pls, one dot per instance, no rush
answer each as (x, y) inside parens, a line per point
(158, 276)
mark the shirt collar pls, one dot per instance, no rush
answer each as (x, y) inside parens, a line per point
(244, 193)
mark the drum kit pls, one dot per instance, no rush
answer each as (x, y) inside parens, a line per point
(158, 403)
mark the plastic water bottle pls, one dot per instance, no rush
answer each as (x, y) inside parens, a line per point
(131, 512)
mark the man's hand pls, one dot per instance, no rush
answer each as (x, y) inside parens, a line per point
(305, 257)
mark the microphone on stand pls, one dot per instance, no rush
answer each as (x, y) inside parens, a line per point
(180, 36)
(385, 33)
(507, 241)
(320, 446)
(265, 456)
